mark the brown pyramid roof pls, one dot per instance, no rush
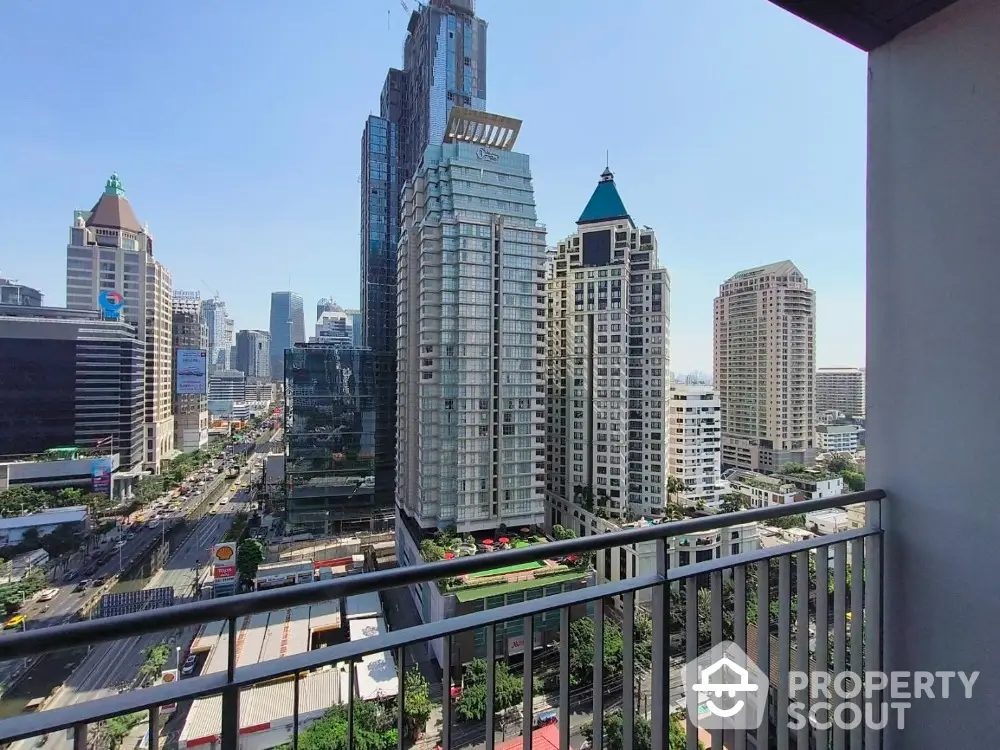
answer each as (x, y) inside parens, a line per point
(113, 211)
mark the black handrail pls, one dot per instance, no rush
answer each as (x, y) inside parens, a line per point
(90, 632)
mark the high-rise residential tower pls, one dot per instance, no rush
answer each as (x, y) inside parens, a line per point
(288, 328)
(695, 443)
(111, 252)
(841, 389)
(765, 360)
(253, 354)
(607, 362)
(470, 353)
(190, 409)
(444, 65)
(220, 333)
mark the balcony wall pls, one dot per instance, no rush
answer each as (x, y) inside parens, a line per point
(933, 363)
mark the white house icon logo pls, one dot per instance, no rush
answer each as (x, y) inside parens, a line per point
(724, 689)
(726, 667)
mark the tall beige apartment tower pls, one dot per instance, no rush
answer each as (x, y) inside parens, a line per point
(109, 254)
(607, 363)
(765, 360)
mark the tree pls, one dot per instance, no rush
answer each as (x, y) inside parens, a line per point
(642, 732)
(561, 532)
(508, 690)
(417, 704)
(798, 521)
(839, 464)
(855, 480)
(374, 729)
(792, 467)
(581, 649)
(249, 556)
(117, 728)
(675, 486)
(156, 658)
(734, 501)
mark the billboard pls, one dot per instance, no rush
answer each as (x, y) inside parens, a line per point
(128, 602)
(192, 372)
(168, 676)
(111, 304)
(100, 476)
(224, 561)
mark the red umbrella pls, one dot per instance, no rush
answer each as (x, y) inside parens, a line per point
(504, 540)
(571, 558)
(488, 541)
(449, 555)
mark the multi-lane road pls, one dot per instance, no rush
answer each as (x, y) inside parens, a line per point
(113, 667)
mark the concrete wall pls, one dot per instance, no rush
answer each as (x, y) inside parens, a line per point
(933, 328)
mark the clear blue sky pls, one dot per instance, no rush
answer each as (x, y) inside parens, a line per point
(734, 129)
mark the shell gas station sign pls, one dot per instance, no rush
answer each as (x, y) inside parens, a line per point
(224, 561)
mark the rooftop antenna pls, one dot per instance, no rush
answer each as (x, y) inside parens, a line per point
(607, 159)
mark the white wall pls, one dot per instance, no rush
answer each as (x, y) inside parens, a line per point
(933, 328)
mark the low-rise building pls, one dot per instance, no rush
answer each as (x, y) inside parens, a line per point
(784, 489)
(839, 438)
(488, 590)
(13, 530)
(639, 559)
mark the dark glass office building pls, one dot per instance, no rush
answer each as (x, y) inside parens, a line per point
(288, 327)
(68, 378)
(332, 450)
(444, 64)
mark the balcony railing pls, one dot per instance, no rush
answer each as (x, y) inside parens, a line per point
(839, 629)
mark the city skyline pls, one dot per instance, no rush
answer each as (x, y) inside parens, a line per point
(207, 193)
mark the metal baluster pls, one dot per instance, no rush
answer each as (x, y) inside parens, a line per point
(628, 669)
(529, 707)
(350, 705)
(857, 630)
(822, 634)
(716, 579)
(491, 675)
(401, 698)
(598, 742)
(839, 631)
(564, 713)
(446, 698)
(691, 645)
(660, 709)
(763, 638)
(154, 727)
(230, 739)
(784, 648)
(873, 616)
(80, 737)
(295, 712)
(740, 631)
(802, 647)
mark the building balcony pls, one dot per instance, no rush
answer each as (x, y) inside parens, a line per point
(661, 615)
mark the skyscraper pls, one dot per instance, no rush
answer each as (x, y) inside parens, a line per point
(444, 64)
(607, 361)
(220, 334)
(109, 254)
(288, 327)
(253, 354)
(765, 359)
(470, 352)
(190, 409)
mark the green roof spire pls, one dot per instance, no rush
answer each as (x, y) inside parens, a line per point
(114, 186)
(605, 204)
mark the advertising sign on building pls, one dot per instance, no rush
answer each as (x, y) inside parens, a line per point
(192, 372)
(224, 561)
(166, 677)
(100, 476)
(111, 304)
(516, 645)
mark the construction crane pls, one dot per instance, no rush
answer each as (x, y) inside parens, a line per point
(205, 284)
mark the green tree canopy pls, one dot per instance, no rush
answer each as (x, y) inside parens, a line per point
(249, 556)
(508, 690)
(734, 501)
(642, 732)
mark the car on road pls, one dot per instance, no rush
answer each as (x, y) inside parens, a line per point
(189, 664)
(99, 581)
(119, 544)
(17, 621)
(47, 595)
(70, 575)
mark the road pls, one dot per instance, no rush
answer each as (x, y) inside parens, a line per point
(113, 667)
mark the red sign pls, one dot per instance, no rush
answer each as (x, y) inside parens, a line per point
(332, 563)
(225, 571)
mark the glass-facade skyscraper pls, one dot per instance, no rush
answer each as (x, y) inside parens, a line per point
(444, 64)
(288, 327)
(330, 429)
